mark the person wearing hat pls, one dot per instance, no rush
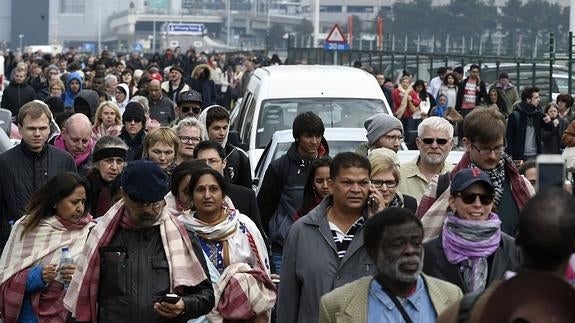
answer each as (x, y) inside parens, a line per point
(472, 251)
(383, 130)
(136, 255)
(108, 157)
(188, 104)
(134, 130)
(541, 290)
(175, 83)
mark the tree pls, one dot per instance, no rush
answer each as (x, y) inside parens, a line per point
(276, 34)
(305, 28)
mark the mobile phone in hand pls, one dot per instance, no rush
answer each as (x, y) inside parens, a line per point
(168, 298)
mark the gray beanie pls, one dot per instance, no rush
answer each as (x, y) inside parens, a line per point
(380, 124)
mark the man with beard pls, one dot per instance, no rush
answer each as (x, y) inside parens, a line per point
(161, 107)
(136, 255)
(524, 126)
(189, 104)
(434, 140)
(399, 291)
(324, 249)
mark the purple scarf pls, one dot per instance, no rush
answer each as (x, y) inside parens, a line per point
(468, 243)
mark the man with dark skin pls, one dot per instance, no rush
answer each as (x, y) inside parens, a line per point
(393, 240)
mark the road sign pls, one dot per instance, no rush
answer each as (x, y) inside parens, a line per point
(186, 29)
(335, 40)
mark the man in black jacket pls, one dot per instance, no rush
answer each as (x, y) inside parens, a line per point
(17, 93)
(137, 255)
(281, 192)
(244, 199)
(28, 166)
(217, 121)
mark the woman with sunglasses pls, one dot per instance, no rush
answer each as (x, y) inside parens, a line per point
(472, 251)
(32, 279)
(384, 180)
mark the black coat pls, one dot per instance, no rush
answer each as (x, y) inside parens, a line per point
(15, 96)
(135, 145)
(551, 139)
(244, 200)
(22, 172)
(238, 169)
(481, 95)
(128, 286)
(435, 263)
(517, 127)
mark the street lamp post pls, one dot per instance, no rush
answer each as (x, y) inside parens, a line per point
(21, 36)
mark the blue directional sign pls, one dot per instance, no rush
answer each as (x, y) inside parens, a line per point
(336, 46)
(186, 29)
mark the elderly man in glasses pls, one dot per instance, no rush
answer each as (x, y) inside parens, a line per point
(434, 141)
(484, 140)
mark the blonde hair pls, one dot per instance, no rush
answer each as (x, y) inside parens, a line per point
(100, 110)
(164, 135)
(383, 164)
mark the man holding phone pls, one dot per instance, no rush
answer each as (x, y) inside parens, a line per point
(139, 263)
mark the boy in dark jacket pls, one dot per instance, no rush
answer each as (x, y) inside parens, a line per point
(17, 93)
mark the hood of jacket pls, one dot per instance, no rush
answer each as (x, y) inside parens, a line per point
(74, 76)
(202, 119)
(127, 90)
(91, 98)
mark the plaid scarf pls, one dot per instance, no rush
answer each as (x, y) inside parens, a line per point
(41, 246)
(497, 176)
(184, 267)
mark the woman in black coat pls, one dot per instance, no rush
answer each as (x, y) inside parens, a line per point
(551, 139)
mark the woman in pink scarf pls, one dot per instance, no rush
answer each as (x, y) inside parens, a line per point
(31, 278)
(471, 251)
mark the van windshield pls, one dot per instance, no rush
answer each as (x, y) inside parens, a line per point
(279, 114)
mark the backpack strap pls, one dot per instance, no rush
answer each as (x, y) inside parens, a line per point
(443, 182)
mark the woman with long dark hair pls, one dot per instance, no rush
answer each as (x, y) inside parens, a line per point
(316, 185)
(32, 279)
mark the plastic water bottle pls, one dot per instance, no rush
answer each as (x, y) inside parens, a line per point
(66, 258)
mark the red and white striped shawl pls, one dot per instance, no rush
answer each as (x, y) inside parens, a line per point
(43, 246)
(185, 269)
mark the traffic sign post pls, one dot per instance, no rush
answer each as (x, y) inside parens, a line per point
(335, 41)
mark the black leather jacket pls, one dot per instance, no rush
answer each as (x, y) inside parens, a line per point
(128, 288)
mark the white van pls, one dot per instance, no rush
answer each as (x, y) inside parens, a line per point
(342, 96)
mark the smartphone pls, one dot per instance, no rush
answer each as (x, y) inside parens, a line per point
(168, 298)
(550, 171)
(372, 204)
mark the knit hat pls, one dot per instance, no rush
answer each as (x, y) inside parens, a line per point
(55, 103)
(380, 124)
(177, 68)
(469, 176)
(134, 110)
(144, 181)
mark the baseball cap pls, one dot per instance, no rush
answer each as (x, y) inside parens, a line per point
(469, 176)
(189, 96)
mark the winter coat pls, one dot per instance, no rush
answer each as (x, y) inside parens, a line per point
(481, 95)
(162, 111)
(127, 289)
(15, 96)
(311, 267)
(68, 96)
(22, 172)
(238, 168)
(135, 145)
(517, 127)
(551, 139)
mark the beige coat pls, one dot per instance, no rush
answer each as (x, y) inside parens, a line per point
(348, 304)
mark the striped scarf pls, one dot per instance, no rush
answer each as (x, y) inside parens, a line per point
(184, 267)
(41, 246)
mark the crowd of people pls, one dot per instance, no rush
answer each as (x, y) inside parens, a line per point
(135, 179)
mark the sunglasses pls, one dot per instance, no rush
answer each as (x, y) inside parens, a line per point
(130, 120)
(194, 110)
(469, 198)
(439, 141)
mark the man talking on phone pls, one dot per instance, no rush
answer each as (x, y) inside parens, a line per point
(136, 256)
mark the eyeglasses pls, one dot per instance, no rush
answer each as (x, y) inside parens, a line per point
(394, 138)
(187, 140)
(379, 183)
(211, 161)
(195, 110)
(486, 151)
(439, 141)
(469, 198)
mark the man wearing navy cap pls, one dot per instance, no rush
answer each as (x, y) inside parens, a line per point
(136, 255)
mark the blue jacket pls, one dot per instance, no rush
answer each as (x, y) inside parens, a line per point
(68, 96)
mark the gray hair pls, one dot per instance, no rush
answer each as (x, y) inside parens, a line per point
(435, 123)
(109, 78)
(188, 122)
(143, 101)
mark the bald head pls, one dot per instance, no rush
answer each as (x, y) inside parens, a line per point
(546, 230)
(155, 91)
(77, 134)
